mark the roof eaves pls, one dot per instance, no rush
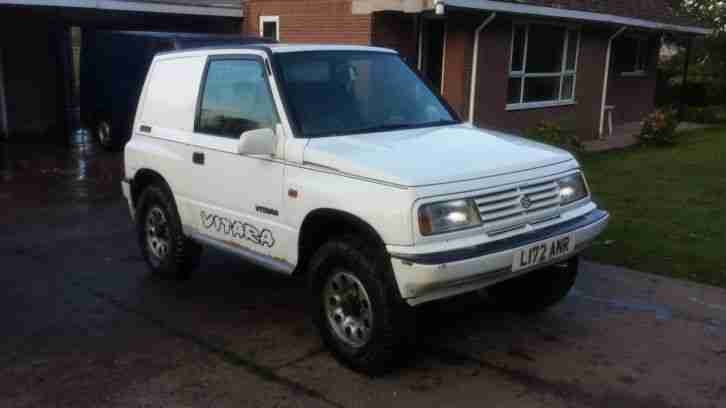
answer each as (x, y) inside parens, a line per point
(518, 8)
(189, 7)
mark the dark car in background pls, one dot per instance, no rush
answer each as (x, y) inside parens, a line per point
(113, 68)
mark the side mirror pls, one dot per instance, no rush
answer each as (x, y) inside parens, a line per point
(258, 142)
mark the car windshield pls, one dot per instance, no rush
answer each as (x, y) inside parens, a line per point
(346, 92)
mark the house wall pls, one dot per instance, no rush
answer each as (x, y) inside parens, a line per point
(634, 96)
(311, 21)
(493, 75)
(398, 31)
(332, 21)
(458, 59)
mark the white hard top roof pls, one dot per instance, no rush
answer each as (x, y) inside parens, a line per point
(275, 48)
(261, 49)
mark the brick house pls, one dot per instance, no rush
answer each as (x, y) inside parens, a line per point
(532, 59)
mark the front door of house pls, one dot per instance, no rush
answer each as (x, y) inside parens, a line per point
(432, 50)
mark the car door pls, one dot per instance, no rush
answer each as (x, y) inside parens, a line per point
(238, 197)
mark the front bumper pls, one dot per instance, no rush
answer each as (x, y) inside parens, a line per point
(425, 277)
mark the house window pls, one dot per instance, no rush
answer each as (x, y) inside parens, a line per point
(543, 66)
(270, 27)
(631, 55)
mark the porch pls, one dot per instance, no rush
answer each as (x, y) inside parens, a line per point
(626, 135)
(622, 136)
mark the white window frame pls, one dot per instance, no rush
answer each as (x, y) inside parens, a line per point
(270, 19)
(564, 72)
(641, 64)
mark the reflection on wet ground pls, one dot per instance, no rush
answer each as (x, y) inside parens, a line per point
(40, 175)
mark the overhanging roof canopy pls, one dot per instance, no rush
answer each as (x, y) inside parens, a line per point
(567, 13)
(219, 8)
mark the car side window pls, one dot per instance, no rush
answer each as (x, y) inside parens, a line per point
(235, 99)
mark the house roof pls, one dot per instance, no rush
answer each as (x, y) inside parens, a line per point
(221, 8)
(651, 14)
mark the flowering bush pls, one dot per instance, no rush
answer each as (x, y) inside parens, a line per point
(659, 128)
(553, 133)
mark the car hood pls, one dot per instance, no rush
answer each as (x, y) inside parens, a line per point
(417, 157)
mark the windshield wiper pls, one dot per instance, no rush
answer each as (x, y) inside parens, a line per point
(382, 128)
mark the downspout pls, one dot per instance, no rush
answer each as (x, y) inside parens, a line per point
(475, 66)
(607, 78)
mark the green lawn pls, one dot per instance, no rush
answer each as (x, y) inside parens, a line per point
(668, 207)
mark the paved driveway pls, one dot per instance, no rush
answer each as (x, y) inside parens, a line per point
(83, 324)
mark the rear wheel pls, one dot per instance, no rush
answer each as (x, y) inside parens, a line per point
(111, 135)
(537, 290)
(357, 310)
(166, 250)
(105, 134)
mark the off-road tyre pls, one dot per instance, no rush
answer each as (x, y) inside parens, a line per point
(183, 254)
(393, 321)
(536, 291)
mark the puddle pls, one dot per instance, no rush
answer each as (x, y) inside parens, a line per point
(618, 305)
(41, 174)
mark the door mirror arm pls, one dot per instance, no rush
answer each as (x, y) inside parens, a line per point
(258, 142)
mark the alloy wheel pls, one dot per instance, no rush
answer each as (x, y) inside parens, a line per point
(157, 235)
(348, 308)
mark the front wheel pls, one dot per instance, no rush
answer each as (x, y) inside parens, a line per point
(537, 290)
(357, 310)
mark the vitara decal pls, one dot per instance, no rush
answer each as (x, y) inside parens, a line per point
(238, 229)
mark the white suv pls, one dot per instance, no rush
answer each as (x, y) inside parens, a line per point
(340, 163)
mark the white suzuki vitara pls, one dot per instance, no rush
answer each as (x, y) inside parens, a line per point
(340, 163)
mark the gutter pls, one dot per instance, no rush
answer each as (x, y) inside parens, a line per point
(517, 8)
(475, 66)
(606, 78)
(159, 6)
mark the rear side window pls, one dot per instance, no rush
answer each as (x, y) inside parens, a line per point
(170, 100)
(235, 99)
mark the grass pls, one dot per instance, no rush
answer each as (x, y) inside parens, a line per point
(668, 207)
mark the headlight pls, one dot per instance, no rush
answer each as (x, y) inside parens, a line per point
(448, 216)
(572, 188)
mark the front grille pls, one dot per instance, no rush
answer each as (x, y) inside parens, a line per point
(503, 211)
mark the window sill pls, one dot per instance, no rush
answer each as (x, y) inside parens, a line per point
(538, 105)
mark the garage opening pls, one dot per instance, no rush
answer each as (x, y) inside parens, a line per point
(432, 50)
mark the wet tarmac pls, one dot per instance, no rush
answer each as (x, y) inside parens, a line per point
(85, 325)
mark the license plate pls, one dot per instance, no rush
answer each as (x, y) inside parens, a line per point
(543, 252)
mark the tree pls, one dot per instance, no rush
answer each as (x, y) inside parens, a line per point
(711, 13)
(707, 75)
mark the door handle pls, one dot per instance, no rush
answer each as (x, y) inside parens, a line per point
(198, 158)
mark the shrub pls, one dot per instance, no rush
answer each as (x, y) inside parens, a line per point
(659, 128)
(553, 133)
(709, 114)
